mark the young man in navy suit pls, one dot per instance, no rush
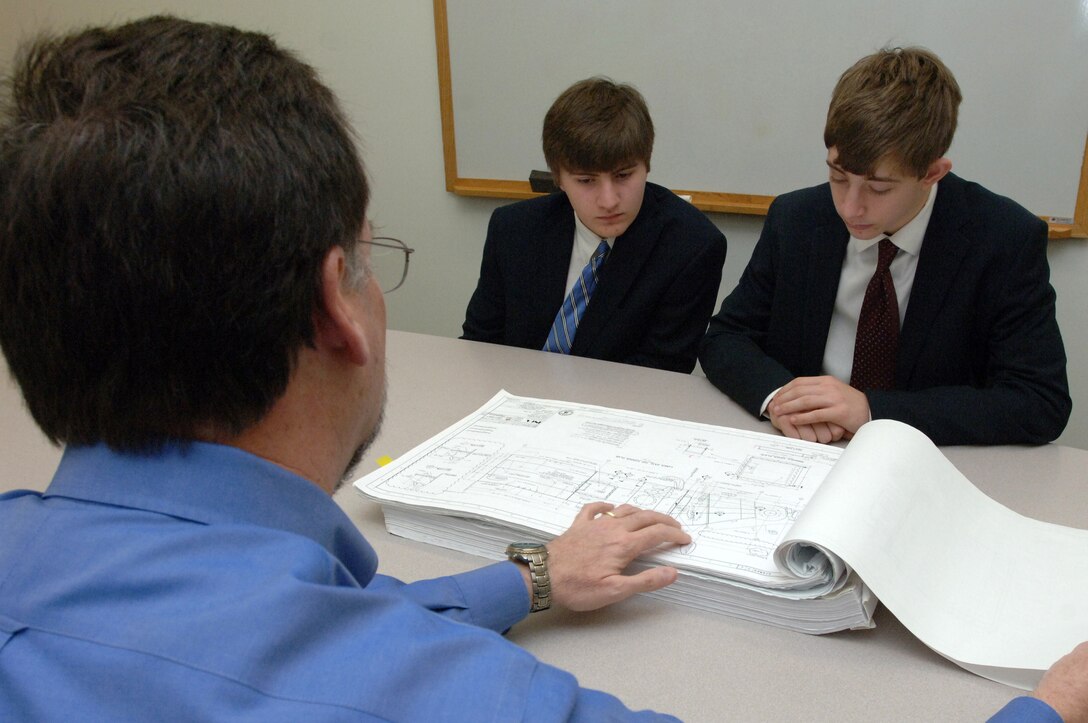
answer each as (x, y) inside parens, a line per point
(977, 357)
(657, 284)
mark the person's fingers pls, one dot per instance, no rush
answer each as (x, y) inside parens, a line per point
(647, 538)
(639, 518)
(593, 509)
(804, 431)
(654, 578)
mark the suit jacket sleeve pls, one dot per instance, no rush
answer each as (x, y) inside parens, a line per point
(733, 352)
(1020, 393)
(485, 318)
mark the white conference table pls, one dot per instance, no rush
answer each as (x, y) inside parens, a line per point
(651, 653)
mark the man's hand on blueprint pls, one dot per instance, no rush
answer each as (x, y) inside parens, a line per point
(586, 562)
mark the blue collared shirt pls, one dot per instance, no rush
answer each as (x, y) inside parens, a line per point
(1026, 709)
(204, 583)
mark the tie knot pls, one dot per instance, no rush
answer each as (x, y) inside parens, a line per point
(887, 252)
(598, 255)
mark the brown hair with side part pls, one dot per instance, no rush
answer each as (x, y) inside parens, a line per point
(900, 103)
(597, 125)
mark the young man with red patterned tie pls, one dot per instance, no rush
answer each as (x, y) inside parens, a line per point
(954, 334)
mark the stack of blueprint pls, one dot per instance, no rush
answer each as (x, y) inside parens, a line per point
(850, 607)
(522, 468)
(789, 533)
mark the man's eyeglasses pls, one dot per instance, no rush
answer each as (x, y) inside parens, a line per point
(389, 262)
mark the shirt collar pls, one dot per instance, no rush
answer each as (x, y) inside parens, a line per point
(909, 238)
(213, 484)
(587, 238)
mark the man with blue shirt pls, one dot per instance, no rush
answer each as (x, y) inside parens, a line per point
(187, 303)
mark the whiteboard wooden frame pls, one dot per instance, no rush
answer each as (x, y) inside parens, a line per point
(709, 201)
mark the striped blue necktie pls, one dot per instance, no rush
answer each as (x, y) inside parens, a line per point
(574, 306)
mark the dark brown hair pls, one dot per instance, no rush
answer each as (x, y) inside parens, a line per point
(900, 103)
(597, 125)
(168, 192)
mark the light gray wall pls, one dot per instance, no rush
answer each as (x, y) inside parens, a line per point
(766, 115)
(381, 61)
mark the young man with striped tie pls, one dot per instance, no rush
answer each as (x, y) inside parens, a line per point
(611, 266)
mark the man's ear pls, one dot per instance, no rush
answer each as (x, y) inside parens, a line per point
(338, 325)
(936, 171)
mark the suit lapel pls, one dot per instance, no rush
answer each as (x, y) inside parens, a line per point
(826, 251)
(943, 250)
(546, 269)
(622, 267)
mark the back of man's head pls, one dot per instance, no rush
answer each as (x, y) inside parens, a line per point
(597, 125)
(900, 103)
(168, 191)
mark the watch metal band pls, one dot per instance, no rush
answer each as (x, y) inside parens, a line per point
(536, 557)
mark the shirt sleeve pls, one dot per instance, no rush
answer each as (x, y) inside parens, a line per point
(495, 597)
(767, 402)
(492, 597)
(1026, 709)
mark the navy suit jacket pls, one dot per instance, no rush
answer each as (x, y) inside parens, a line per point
(981, 359)
(654, 295)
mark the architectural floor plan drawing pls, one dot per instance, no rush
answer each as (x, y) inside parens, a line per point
(794, 534)
(536, 463)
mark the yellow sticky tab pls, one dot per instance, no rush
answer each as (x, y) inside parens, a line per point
(384, 460)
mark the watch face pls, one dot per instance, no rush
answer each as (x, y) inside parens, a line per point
(524, 548)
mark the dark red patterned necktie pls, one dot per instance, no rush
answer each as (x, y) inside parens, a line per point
(878, 328)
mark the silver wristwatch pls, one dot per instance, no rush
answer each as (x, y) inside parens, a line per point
(535, 555)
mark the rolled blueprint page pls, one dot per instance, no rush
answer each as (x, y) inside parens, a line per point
(998, 593)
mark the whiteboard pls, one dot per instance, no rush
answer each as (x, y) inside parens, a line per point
(738, 89)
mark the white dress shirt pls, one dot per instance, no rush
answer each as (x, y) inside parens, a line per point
(585, 243)
(858, 267)
(857, 270)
